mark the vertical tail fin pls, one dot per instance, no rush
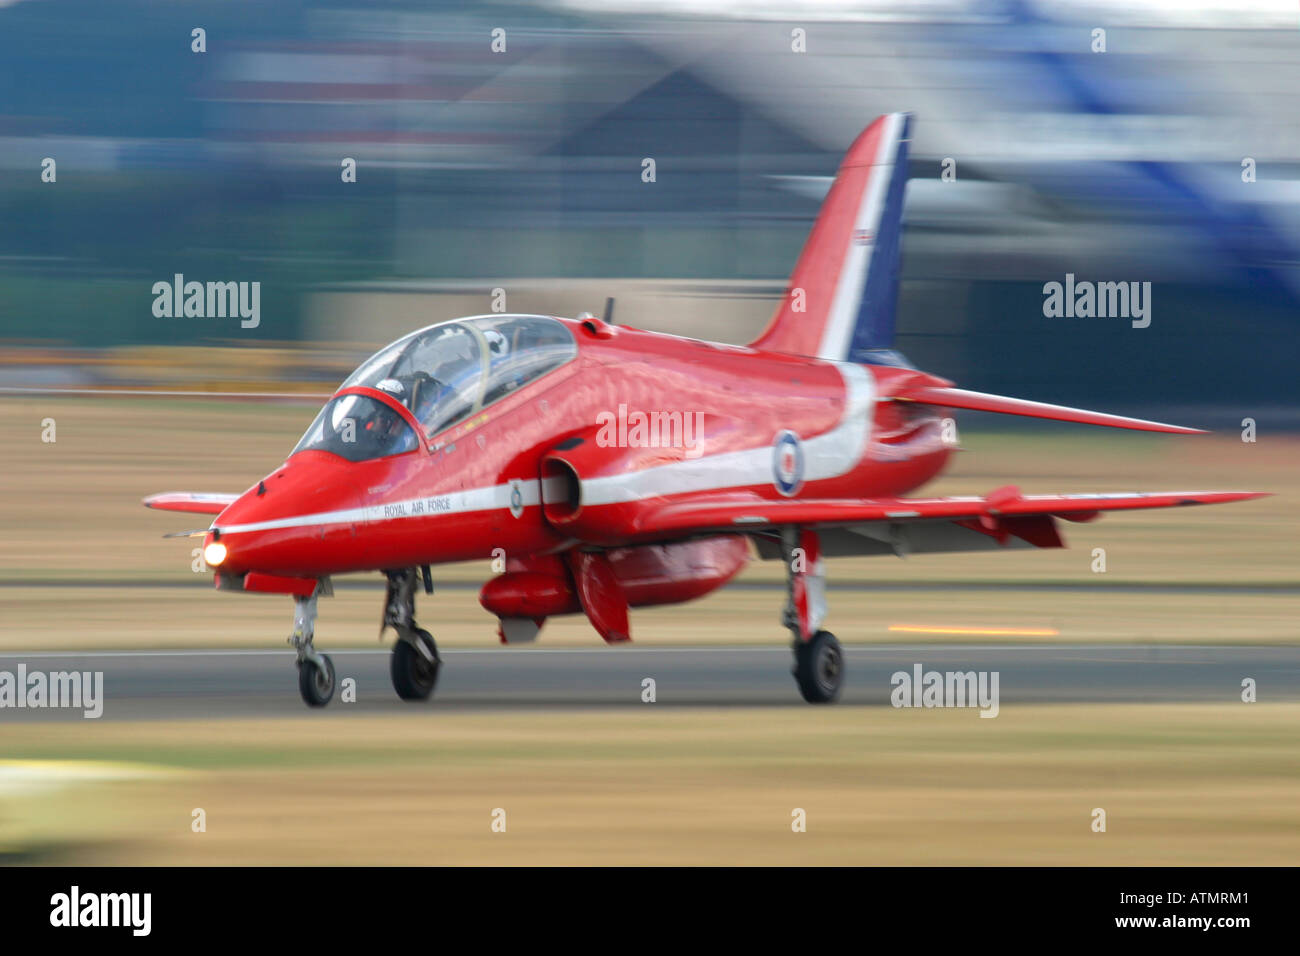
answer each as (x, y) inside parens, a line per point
(843, 294)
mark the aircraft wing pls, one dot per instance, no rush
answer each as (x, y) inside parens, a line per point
(196, 502)
(1002, 518)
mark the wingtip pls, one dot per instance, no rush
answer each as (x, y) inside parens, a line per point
(1228, 497)
(1145, 425)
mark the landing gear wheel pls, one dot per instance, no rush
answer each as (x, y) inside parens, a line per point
(819, 668)
(415, 668)
(316, 680)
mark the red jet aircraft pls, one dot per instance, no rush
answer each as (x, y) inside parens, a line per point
(615, 468)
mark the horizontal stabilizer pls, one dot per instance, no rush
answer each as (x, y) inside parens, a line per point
(982, 402)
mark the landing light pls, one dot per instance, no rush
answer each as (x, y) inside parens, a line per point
(214, 553)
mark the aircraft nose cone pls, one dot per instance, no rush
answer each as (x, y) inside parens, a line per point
(292, 520)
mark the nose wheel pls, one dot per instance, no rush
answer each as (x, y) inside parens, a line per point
(315, 670)
(316, 680)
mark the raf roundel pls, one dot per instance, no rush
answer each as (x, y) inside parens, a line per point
(787, 463)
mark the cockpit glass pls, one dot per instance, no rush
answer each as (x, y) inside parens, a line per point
(359, 428)
(447, 372)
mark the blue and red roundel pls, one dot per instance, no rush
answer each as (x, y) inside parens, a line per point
(787, 463)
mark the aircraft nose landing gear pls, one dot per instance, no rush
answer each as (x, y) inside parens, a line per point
(315, 670)
(415, 663)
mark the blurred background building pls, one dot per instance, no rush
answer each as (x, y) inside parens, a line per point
(502, 146)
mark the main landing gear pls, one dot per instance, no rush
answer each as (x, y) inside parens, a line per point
(415, 662)
(818, 657)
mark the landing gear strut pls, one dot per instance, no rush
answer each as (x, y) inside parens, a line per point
(818, 657)
(315, 670)
(415, 663)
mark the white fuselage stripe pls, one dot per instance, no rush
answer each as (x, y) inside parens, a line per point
(828, 455)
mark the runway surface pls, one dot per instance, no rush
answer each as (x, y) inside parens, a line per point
(179, 685)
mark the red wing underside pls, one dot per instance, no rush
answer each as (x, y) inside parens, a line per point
(194, 502)
(880, 525)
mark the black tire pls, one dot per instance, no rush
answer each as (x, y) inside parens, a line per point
(414, 675)
(819, 668)
(316, 683)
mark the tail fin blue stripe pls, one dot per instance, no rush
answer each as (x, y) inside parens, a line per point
(843, 291)
(878, 307)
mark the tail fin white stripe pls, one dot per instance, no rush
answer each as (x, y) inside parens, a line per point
(857, 263)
